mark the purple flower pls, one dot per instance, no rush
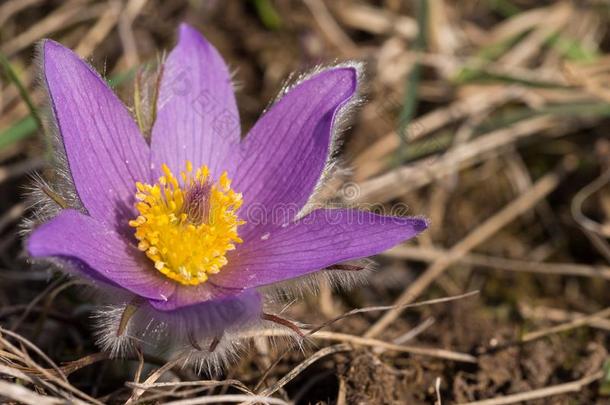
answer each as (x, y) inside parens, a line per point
(188, 232)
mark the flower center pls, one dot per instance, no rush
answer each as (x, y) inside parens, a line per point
(186, 228)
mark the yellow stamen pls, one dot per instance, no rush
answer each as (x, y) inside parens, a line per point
(186, 228)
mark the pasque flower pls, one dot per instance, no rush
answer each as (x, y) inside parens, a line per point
(189, 229)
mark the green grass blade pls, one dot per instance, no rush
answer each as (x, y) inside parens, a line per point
(12, 77)
(504, 7)
(410, 100)
(267, 14)
(27, 126)
(18, 131)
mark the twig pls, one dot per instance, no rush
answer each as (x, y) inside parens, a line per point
(586, 320)
(105, 23)
(574, 386)
(9, 8)
(69, 13)
(437, 388)
(217, 399)
(412, 333)
(581, 197)
(401, 180)
(343, 347)
(15, 325)
(35, 348)
(479, 235)
(16, 373)
(424, 351)
(371, 161)
(19, 169)
(131, 11)
(138, 373)
(11, 215)
(203, 383)
(88, 360)
(392, 307)
(376, 343)
(560, 315)
(377, 20)
(345, 315)
(154, 377)
(329, 26)
(18, 392)
(430, 254)
(342, 394)
(57, 377)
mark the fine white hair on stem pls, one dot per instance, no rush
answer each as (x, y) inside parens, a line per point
(297, 288)
(161, 335)
(107, 319)
(236, 84)
(183, 332)
(229, 348)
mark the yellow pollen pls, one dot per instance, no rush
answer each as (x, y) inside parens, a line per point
(186, 227)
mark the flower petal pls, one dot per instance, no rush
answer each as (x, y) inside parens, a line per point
(197, 117)
(187, 295)
(72, 235)
(105, 150)
(318, 240)
(283, 156)
(211, 317)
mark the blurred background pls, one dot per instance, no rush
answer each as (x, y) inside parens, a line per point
(490, 117)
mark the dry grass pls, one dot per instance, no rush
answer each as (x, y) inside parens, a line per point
(487, 116)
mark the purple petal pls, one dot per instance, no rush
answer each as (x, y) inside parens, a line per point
(320, 239)
(211, 317)
(186, 295)
(284, 154)
(72, 235)
(197, 117)
(195, 324)
(105, 150)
